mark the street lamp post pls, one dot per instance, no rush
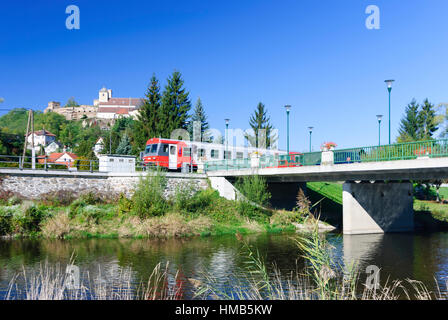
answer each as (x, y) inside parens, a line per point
(227, 138)
(379, 117)
(389, 88)
(288, 108)
(311, 131)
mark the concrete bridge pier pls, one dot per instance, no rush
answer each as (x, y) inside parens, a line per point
(377, 207)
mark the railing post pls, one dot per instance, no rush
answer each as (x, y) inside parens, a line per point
(45, 163)
(91, 167)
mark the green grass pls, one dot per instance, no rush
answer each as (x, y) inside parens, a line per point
(332, 191)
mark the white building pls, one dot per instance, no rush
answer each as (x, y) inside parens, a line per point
(113, 108)
(99, 146)
(41, 138)
(52, 147)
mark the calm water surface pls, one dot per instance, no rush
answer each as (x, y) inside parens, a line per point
(419, 256)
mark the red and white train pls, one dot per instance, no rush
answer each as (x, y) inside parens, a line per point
(179, 154)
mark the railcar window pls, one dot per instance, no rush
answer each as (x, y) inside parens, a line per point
(172, 150)
(227, 154)
(240, 155)
(201, 152)
(187, 152)
(214, 154)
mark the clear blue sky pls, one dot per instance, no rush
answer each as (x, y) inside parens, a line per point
(317, 56)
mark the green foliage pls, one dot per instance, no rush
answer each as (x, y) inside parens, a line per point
(148, 198)
(124, 205)
(199, 116)
(125, 146)
(419, 122)
(183, 193)
(409, 125)
(255, 189)
(175, 106)
(27, 219)
(424, 191)
(427, 121)
(260, 121)
(147, 123)
(286, 218)
(201, 201)
(71, 103)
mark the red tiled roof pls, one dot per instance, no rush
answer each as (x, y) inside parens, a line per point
(55, 156)
(42, 133)
(114, 110)
(122, 102)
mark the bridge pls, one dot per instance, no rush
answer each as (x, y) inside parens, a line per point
(377, 189)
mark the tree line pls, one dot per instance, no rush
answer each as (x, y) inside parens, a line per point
(162, 112)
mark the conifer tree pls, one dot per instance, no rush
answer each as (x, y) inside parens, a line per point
(259, 120)
(199, 116)
(409, 126)
(175, 106)
(124, 147)
(147, 124)
(427, 121)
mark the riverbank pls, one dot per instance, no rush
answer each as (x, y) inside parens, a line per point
(148, 214)
(428, 214)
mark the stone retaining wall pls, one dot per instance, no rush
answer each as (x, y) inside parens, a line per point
(34, 186)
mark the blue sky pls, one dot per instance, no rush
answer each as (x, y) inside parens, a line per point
(317, 56)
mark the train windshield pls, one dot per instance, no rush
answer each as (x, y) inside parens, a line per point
(151, 148)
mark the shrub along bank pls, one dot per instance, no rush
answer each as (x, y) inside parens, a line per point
(148, 213)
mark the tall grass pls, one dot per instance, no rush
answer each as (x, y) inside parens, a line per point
(48, 282)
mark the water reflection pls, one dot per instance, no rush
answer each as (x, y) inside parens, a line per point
(400, 256)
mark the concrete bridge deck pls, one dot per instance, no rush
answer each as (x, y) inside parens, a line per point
(416, 169)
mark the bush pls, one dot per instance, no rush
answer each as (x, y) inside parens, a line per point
(5, 222)
(255, 189)
(28, 219)
(202, 200)
(183, 193)
(284, 218)
(124, 204)
(251, 211)
(14, 200)
(424, 192)
(148, 198)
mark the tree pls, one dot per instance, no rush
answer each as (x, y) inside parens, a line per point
(260, 121)
(427, 121)
(199, 116)
(409, 125)
(148, 117)
(71, 103)
(125, 145)
(175, 106)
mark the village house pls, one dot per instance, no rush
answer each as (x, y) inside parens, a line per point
(58, 158)
(41, 138)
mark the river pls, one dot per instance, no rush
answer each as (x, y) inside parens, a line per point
(419, 256)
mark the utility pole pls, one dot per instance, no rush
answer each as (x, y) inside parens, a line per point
(26, 138)
(33, 151)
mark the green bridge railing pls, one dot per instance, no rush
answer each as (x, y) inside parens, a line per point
(398, 151)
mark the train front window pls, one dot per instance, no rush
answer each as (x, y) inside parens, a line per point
(152, 149)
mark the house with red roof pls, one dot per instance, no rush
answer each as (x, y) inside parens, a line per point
(62, 158)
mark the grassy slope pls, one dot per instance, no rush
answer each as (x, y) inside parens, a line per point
(333, 191)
